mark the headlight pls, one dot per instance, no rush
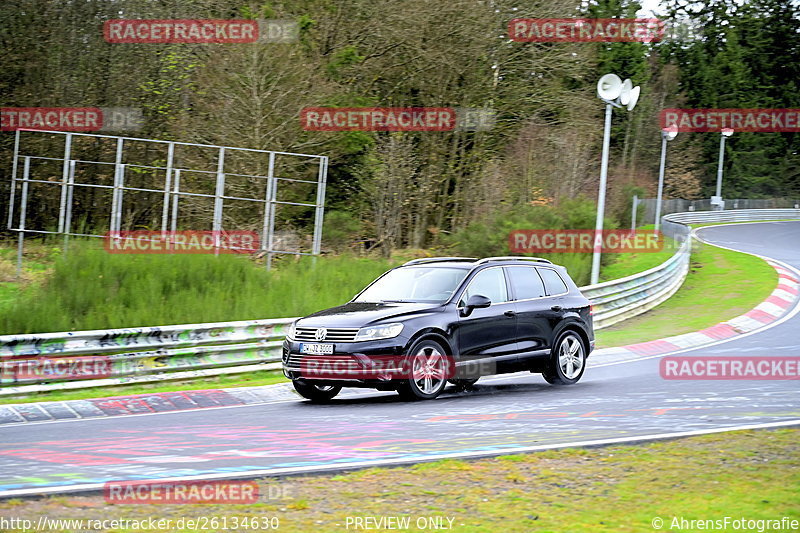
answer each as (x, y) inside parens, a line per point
(290, 331)
(372, 333)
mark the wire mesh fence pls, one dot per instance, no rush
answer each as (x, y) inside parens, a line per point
(646, 207)
(77, 184)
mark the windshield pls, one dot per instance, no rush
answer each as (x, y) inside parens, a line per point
(414, 284)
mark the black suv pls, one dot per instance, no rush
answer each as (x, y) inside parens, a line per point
(443, 319)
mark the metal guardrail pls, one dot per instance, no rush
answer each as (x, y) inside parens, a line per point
(107, 357)
(79, 359)
(739, 215)
(619, 299)
(647, 206)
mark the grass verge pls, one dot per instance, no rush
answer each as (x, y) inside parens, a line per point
(751, 474)
(37, 266)
(745, 280)
(91, 289)
(633, 263)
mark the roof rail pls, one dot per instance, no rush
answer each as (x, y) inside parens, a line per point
(439, 259)
(514, 258)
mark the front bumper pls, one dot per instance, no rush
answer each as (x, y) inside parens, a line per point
(367, 363)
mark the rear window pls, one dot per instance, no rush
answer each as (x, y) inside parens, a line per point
(552, 281)
(526, 283)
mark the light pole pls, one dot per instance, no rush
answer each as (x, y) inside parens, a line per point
(666, 135)
(717, 200)
(615, 93)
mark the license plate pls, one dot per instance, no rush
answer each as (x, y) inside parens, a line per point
(316, 349)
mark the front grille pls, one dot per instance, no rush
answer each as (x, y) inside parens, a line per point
(333, 334)
(340, 362)
(341, 367)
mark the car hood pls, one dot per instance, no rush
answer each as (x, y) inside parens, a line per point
(358, 314)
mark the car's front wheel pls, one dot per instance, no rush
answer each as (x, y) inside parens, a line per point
(318, 393)
(428, 368)
(568, 360)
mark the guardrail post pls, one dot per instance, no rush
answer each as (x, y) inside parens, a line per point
(176, 189)
(23, 206)
(68, 211)
(316, 245)
(269, 212)
(13, 181)
(218, 200)
(64, 178)
(167, 187)
(116, 192)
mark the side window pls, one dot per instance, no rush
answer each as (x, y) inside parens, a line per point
(490, 283)
(552, 281)
(526, 283)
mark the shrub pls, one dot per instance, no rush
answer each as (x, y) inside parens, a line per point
(490, 238)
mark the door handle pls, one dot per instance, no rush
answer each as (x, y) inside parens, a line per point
(510, 313)
(556, 308)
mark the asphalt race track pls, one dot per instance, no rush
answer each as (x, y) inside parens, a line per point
(613, 402)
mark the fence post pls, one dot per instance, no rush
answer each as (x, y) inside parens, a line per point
(218, 200)
(23, 206)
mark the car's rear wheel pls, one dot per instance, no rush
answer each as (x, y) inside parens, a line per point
(568, 360)
(318, 393)
(428, 367)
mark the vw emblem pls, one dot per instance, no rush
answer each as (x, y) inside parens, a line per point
(321, 334)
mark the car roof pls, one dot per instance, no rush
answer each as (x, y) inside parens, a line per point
(472, 262)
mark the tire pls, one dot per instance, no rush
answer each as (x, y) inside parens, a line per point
(464, 384)
(568, 360)
(428, 368)
(316, 393)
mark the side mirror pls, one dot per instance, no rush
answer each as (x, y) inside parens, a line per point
(476, 301)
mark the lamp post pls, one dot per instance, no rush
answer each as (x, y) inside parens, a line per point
(666, 136)
(615, 93)
(717, 200)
